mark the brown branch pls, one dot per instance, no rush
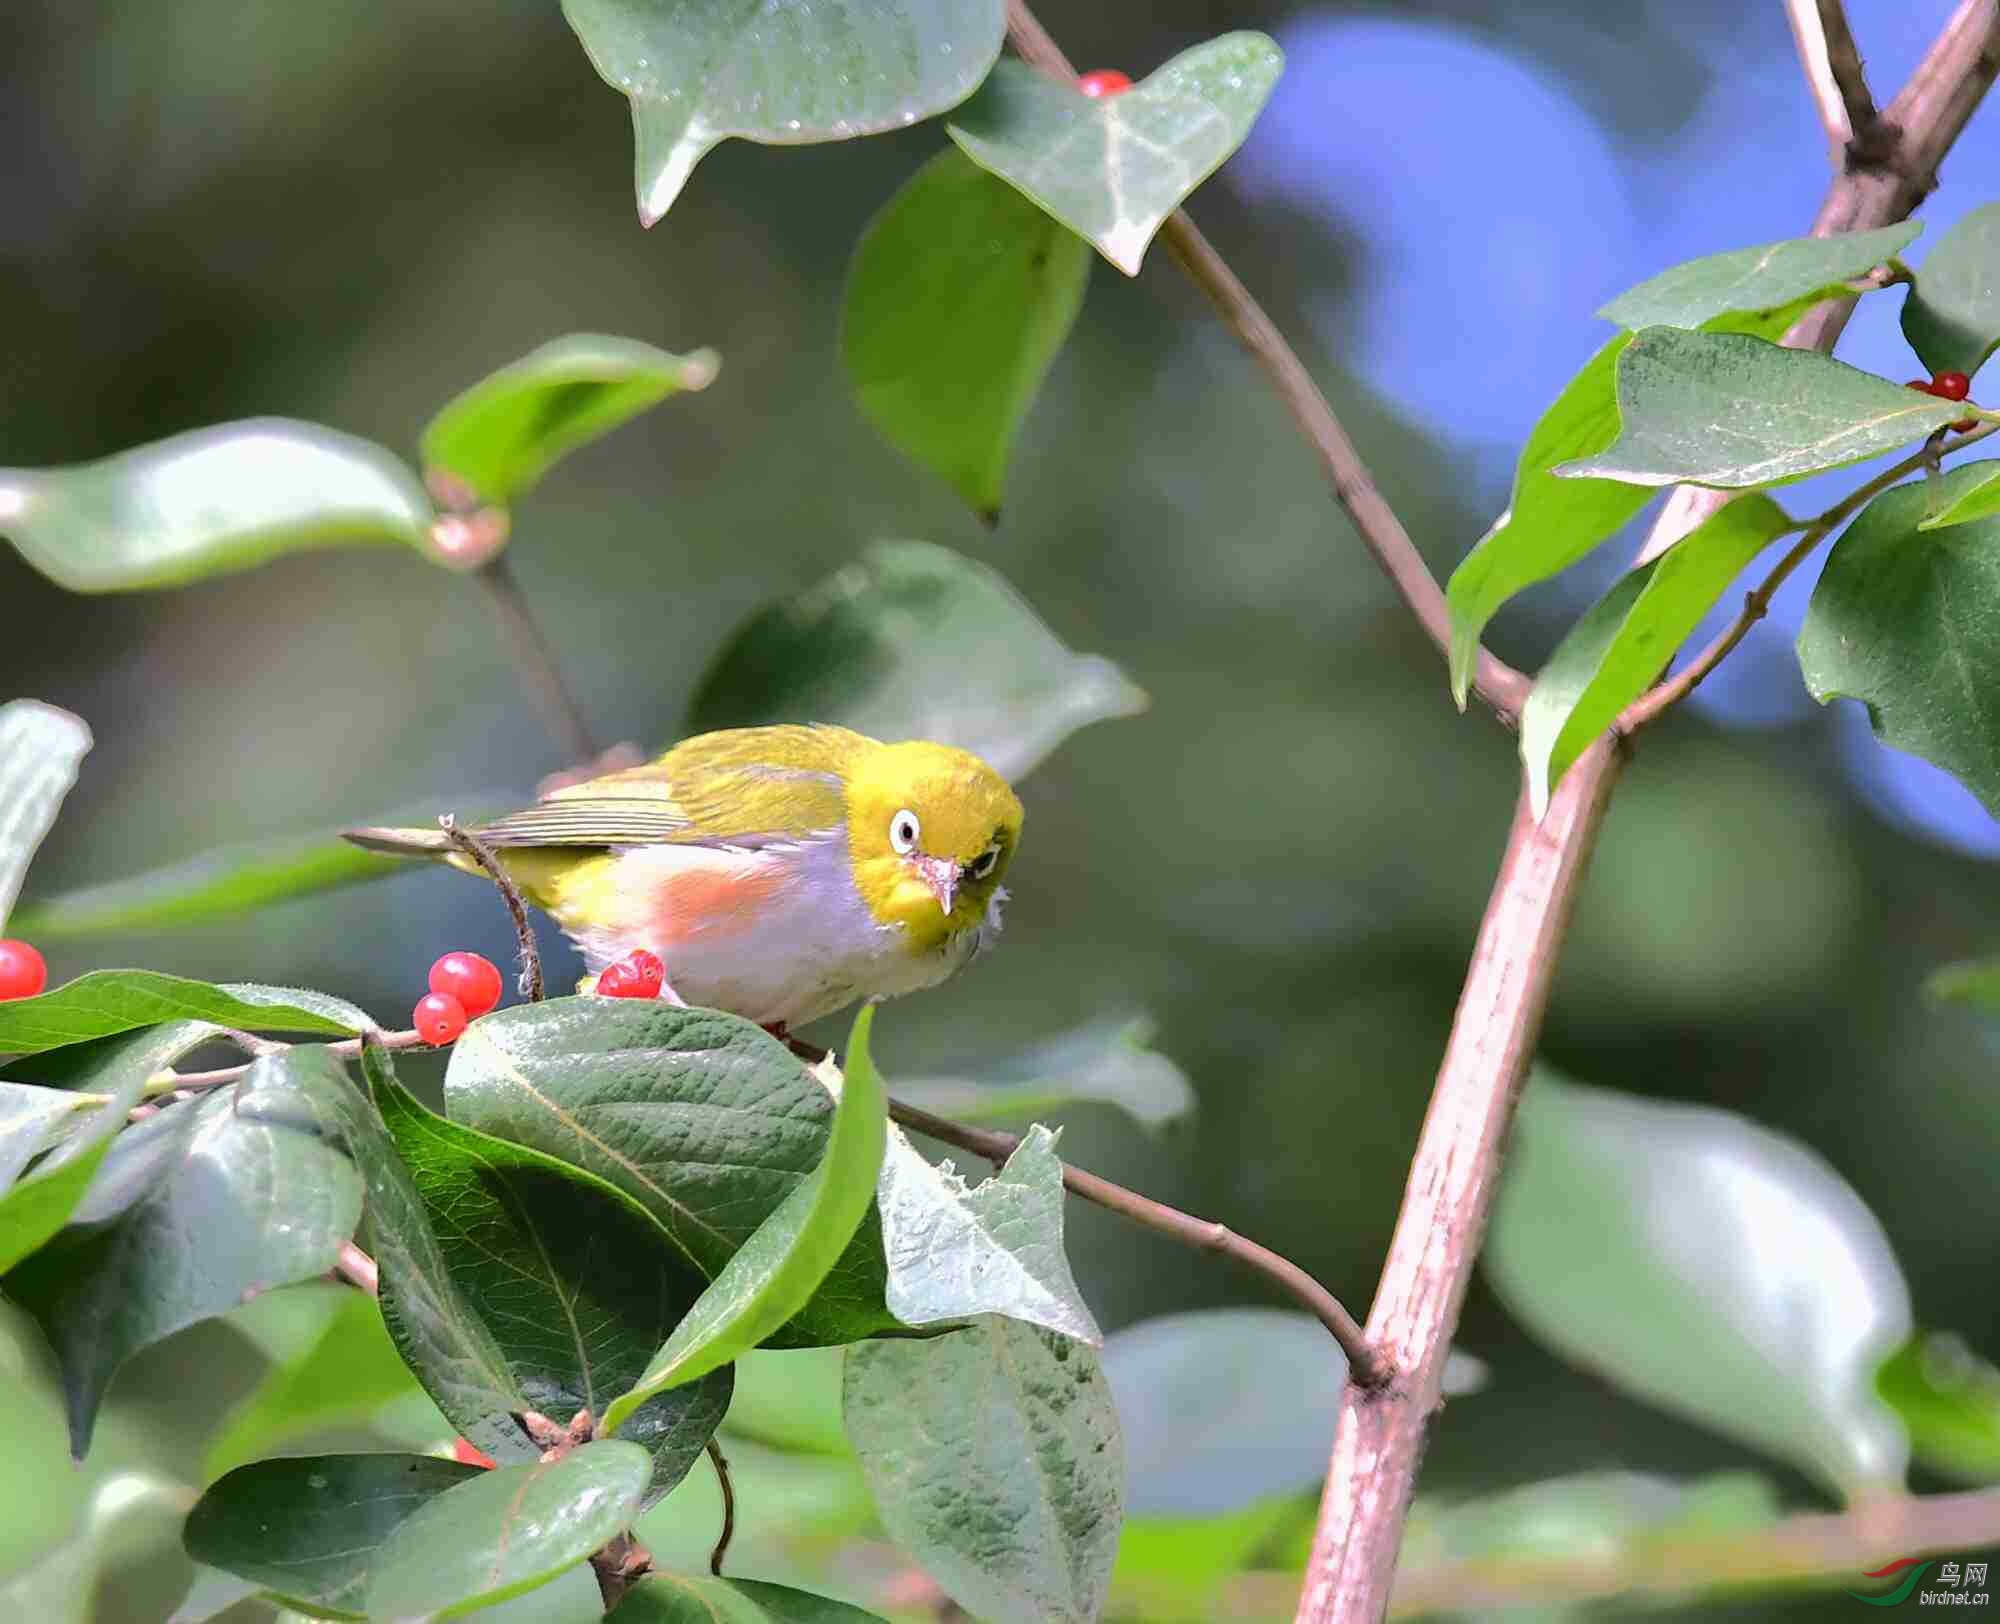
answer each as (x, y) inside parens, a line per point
(357, 1268)
(524, 932)
(728, 1509)
(1499, 684)
(535, 659)
(1832, 64)
(1757, 603)
(1380, 1437)
(1301, 1287)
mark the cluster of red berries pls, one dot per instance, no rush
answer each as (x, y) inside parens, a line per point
(464, 986)
(1104, 82)
(22, 970)
(1949, 386)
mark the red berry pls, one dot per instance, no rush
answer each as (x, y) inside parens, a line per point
(473, 981)
(637, 975)
(1965, 425)
(1104, 82)
(1951, 386)
(1922, 384)
(471, 1454)
(23, 973)
(438, 1017)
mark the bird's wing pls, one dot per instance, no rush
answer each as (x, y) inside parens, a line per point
(740, 787)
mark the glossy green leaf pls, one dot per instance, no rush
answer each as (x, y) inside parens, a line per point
(577, 1284)
(777, 1270)
(40, 750)
(102, 1065)
(32, 1119)
(1949, 1399)
(786, 72)
(1760, 278)
(1112, 168)
(1628, 637)
(1109, 1061)
(915, 642)
(1908, 622)
(191, 1211)
(1034, 1541)
(1223, 1408)
(1732, 411)
(435, 1325)
(505, 1532)
(1709, 1266)
(106, 1002)
(687, 1598)
(34, 1210)
(705, 1120)
(310, 1529)
(1952, 314)
(334, 1366)
(504, 433)
(956, 1251)
(1975, 494)
(958, 302)
(208, 502)
(1551, 522)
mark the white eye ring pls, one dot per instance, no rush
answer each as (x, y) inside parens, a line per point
(982, 865)
(903, 832)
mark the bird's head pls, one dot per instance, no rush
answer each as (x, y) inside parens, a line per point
(930, 830)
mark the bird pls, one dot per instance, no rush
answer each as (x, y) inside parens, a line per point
(779, 873)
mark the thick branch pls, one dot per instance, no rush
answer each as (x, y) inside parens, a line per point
(1832, 64)
(1499, 684)
(1380, 1439)
(1301, 1287)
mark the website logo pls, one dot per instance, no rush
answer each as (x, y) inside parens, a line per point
(1956, 1584)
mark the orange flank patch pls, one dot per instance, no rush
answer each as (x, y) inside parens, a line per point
(708, 900)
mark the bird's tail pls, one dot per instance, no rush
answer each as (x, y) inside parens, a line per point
(401, 842)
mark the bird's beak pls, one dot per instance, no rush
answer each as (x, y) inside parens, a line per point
(940, 874)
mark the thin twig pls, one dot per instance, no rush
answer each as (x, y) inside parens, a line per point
(357, 1268)
(535, 659)
(1499, 684)
(728, 1509)
(1380, 1437)
(620, 1565)
(179, 1082)
(1832, 64)
(1301, 1287)
(524, 932)
(1650, 705)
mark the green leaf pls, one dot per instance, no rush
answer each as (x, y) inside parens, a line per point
(1908, 622)
(687, 1598)
(1975, 495)
(1625, 640)
(504, 433)
(1709, 1266)
(102, 1065)
(1975, 982)
(915, 642)
(1112, 168)
(775, 1273)
(310, 1529)
(1109, 1061)
(958, 302)
(1733, 411)
(707, 1121)
(577, 1284)
(40, 749)
(784, 72)
(436, 1327)
(191, 1211)
(345, 1373)
(209, 502)
(993, 1248)
(1760, 278)
(1949, 1399)
(106, 1002)
(1223, 1408)
(32, 1119)
(1952, 315)
(505, 1532)
(1039, 1444)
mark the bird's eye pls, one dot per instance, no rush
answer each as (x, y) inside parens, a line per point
(903, 832)
(983, 864)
